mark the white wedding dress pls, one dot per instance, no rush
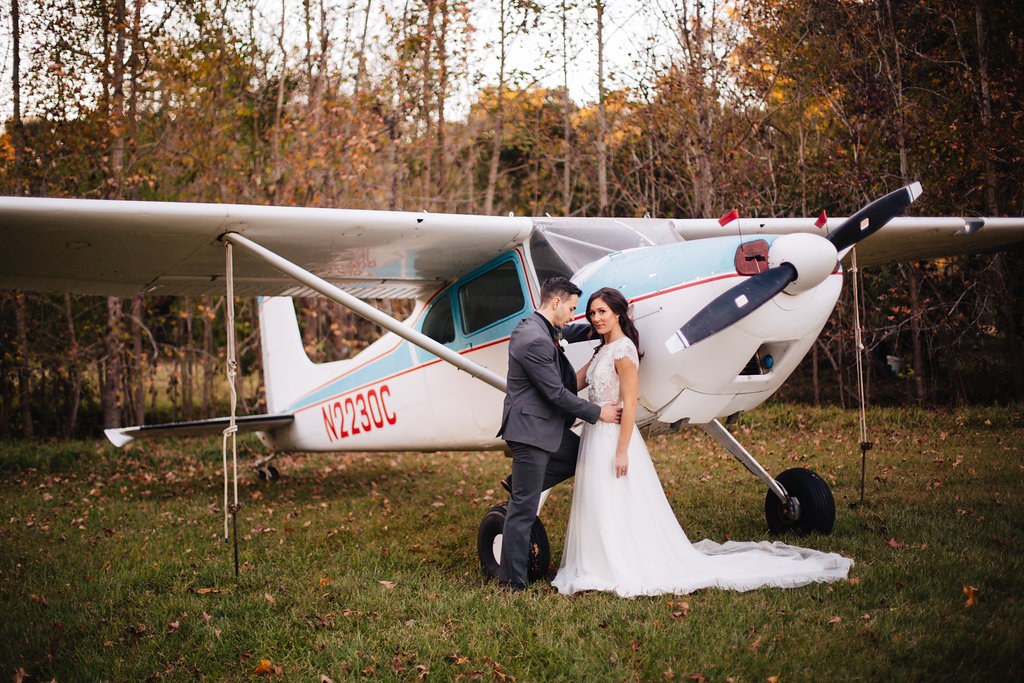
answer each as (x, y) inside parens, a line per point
(623, 536)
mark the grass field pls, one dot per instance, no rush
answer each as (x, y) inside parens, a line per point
(363, 566)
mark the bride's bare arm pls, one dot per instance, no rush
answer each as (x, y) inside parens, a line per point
(629, 384)
(581, 376)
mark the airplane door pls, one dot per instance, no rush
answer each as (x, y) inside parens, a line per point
(475, 317)
(489, 306)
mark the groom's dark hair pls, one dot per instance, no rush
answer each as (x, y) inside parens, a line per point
(557, 286)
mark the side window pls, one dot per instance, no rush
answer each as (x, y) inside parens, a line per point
(438, 324)
(487, 299)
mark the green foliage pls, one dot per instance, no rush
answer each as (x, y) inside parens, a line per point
(353, 566)
(54, 456)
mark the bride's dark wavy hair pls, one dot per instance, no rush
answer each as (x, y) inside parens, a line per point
(620, 307)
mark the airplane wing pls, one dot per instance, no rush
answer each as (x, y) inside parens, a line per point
(902, 239)
(121, 248)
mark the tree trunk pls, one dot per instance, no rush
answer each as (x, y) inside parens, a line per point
(499, 117)
(17, 139)
(567, 118)
(76, 370)
(894, 74)
(426, 47)
(442, 185)
(496, 144)
(814, 374)
(186, 362)
(700, 66)
(914, 288)
(392, 122)
(361, 61)
(114, 89)
(208, 365)
(116, 111)
(138, 381)
(841, 371)
(24, 375)
(110, 392)
(275, 138)
(307, 22)
(999, 279)
(131, 128)
(602, 123)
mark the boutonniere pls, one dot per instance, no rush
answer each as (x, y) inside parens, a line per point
(563, 343)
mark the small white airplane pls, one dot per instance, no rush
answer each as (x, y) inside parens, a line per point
(725, 310)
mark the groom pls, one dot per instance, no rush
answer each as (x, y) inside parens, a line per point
(540, 406)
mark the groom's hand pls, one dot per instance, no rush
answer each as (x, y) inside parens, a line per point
(610, 413)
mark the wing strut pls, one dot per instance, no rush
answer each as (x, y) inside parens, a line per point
(367, 311)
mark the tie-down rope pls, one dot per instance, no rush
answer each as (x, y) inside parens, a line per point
(865, 445)
(232, 429)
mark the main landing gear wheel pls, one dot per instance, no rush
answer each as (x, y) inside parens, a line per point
(816, 509)
(268, 473)
(488, 544)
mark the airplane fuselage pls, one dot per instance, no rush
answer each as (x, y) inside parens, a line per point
(395, 396)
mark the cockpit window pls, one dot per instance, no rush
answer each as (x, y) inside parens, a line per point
(438, 324)
(491, 297)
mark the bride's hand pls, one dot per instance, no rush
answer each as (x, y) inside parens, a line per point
(621, 463)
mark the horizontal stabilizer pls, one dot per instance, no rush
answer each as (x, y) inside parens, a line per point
(248, 423)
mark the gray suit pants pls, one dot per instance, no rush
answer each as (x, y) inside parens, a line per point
(533, 470)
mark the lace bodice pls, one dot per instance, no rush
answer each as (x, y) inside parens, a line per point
(601, 375)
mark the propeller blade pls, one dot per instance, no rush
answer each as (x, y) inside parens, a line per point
(873, 216)
(755, 291)
(731, 306)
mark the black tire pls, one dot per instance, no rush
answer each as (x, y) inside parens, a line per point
(268, 473)
(817, 506)
(492, 525)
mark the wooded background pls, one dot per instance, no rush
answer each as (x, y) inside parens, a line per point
(773, 107)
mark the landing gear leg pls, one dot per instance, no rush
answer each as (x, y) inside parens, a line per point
(266, 471)
(799, 500)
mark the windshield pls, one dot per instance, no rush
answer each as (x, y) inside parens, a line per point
(562, 247)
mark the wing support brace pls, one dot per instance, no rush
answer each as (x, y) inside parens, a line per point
(736, 449)
(367, 311)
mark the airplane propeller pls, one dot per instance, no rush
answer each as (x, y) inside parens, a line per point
(797, 262)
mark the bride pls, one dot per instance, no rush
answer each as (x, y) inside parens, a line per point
(623, 536)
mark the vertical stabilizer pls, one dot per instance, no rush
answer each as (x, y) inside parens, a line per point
(286, 367)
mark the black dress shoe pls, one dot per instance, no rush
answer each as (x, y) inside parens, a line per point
(512, 586)
(506, 484)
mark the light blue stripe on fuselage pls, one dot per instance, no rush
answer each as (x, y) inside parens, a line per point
(642, 271)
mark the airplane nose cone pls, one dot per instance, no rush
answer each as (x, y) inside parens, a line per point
(814, 258)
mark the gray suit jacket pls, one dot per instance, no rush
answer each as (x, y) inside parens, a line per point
(541, 402)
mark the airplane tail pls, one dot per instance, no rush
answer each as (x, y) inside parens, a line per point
(286, 367)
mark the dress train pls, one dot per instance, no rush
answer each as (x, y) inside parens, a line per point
(624, 537)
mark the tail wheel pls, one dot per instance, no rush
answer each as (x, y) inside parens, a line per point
(268, 473)
(488, 544)
(817, 507)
